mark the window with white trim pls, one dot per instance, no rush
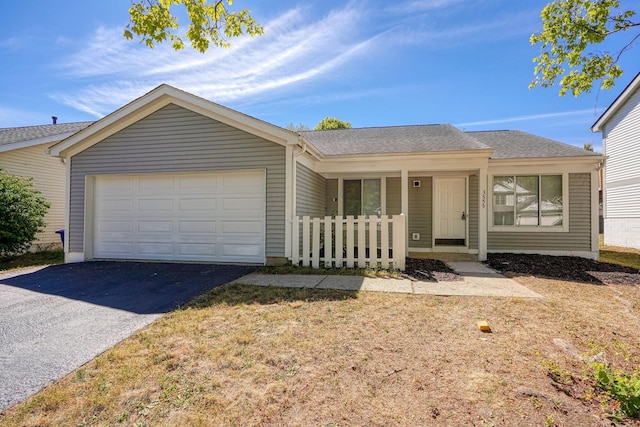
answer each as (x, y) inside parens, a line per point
(362, 197)
(528, 201)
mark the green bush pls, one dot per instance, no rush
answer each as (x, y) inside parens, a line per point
(621, 386)
(22, 210)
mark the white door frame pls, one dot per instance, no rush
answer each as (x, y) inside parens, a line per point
(444, 248)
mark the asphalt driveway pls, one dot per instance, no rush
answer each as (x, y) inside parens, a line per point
(55, 319)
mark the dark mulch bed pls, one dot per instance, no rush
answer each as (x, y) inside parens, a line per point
(568, 268)
(429, 270)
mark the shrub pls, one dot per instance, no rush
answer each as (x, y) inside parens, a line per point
(622, 386)
(22, 210)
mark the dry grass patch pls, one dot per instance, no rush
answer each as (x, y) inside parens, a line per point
(244, 355)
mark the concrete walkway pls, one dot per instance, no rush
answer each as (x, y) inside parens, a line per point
(478, 280)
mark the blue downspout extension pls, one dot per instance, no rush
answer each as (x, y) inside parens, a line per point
(61, 233)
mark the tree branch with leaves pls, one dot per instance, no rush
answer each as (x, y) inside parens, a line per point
(571, 29)
(211, 23)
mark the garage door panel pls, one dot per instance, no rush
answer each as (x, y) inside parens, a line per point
(242, 204)
(155, 226)
(118, 205)
(197, 226)
(116, 247)
(155, 204)
(200, 249)
(115, 226)
(184, 217)
(155, 185)
(239, 250)
(239, 182)
(198, 183)
(242, 227)
(201, 204)
(117, 187)
(155, 248)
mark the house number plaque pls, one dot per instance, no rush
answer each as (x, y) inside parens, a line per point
(484, 198)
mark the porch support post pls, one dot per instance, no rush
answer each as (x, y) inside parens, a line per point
(483, 200)
(404, 185)
(595, 214)
(289, 198)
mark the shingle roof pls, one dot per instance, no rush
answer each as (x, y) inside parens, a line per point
(514, 144)
(393, 139)
(28, 133)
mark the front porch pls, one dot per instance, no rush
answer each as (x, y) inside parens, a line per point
(416, 214)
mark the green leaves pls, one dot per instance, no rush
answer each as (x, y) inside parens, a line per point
(21, 214)
(622, 386)
(569, 29)
(210, 23)
(331, 123)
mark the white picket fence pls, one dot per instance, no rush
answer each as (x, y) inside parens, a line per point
(338, 242)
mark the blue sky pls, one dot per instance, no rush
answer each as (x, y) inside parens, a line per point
(373, 63)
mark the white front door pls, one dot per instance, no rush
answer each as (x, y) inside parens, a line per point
(450, 209)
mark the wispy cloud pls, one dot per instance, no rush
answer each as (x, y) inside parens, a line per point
(416, 6)
(440, 34)
(528, 118)
(295, 48)
(11, 44)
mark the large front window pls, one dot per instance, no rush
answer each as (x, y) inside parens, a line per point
(528, 201)
(362, 197)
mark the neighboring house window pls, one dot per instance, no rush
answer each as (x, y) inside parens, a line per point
(528, 201)
(362, 197)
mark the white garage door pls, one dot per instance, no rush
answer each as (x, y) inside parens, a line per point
(181, 217)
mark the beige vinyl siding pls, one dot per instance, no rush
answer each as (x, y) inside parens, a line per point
(331, 197)
(394, 196)
(310, 192)
(420, 212)
(472, 218)
(174, 139)
(622, 171)
(48, 175)
(577, 239)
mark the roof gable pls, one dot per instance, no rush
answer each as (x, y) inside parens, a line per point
(158, 98)
(621, 99)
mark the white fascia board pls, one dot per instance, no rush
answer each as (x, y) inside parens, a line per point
(563, 164)
(432, 162)
(482, 154)
(157, 99)
(599, 125)
(33, 142)
(308, 161)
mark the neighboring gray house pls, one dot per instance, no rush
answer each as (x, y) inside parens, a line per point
(23, 153)
(172, 176)
(620, 127)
